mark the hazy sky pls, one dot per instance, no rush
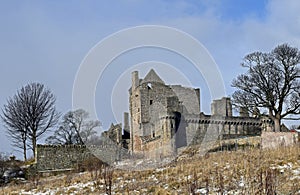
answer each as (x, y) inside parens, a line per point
(46, 41)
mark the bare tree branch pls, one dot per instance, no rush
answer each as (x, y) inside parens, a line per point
(272, 82)
(75, 128)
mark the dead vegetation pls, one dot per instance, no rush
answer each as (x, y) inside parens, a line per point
(248, 171)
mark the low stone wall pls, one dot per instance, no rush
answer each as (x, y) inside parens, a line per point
(278, 139)
(60, 157)
(67, 157)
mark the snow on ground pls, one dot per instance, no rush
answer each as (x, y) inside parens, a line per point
(120, 183)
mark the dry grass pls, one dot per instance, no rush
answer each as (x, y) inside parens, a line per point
(249, 171)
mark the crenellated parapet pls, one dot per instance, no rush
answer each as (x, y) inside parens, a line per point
(208, 119)
(58, 146)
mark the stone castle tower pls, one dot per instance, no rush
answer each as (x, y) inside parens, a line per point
(155, 110)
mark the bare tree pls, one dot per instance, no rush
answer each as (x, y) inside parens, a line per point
(15, 123)
(74, 129)
(63, 135)
(29, 114)
(271, 83)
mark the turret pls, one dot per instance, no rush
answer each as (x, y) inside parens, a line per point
(222, 107)
(135, 79)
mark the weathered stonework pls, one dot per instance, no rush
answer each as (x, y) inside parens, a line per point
(278, 139)
(60, 157)
(165, 118)
(114, 133)
(69, 157)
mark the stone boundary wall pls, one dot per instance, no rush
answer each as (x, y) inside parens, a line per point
(278, 139)
(60, 157)
(67, 157)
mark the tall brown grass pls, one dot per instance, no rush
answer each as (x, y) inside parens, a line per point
(248, 171)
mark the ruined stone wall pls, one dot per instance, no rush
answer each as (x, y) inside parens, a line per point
(278, 139)
(157, 94)
(114, 133)
(192, 129)
(221, 107)
(157, 148)
(68, 157)
(189, 97)
(60, 157)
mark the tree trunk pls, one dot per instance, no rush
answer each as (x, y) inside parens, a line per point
(277, 121)
(24, 150)
(33, 145)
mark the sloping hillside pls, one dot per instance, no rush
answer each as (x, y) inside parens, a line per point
(245, 171)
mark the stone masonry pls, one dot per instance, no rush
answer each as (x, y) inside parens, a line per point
(165, 118)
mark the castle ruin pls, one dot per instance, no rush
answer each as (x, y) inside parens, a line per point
(162, 121)
(165, 118)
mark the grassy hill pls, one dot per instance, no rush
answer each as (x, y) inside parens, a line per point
(245, 171)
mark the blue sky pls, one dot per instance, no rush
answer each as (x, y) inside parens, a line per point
(46, 41)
